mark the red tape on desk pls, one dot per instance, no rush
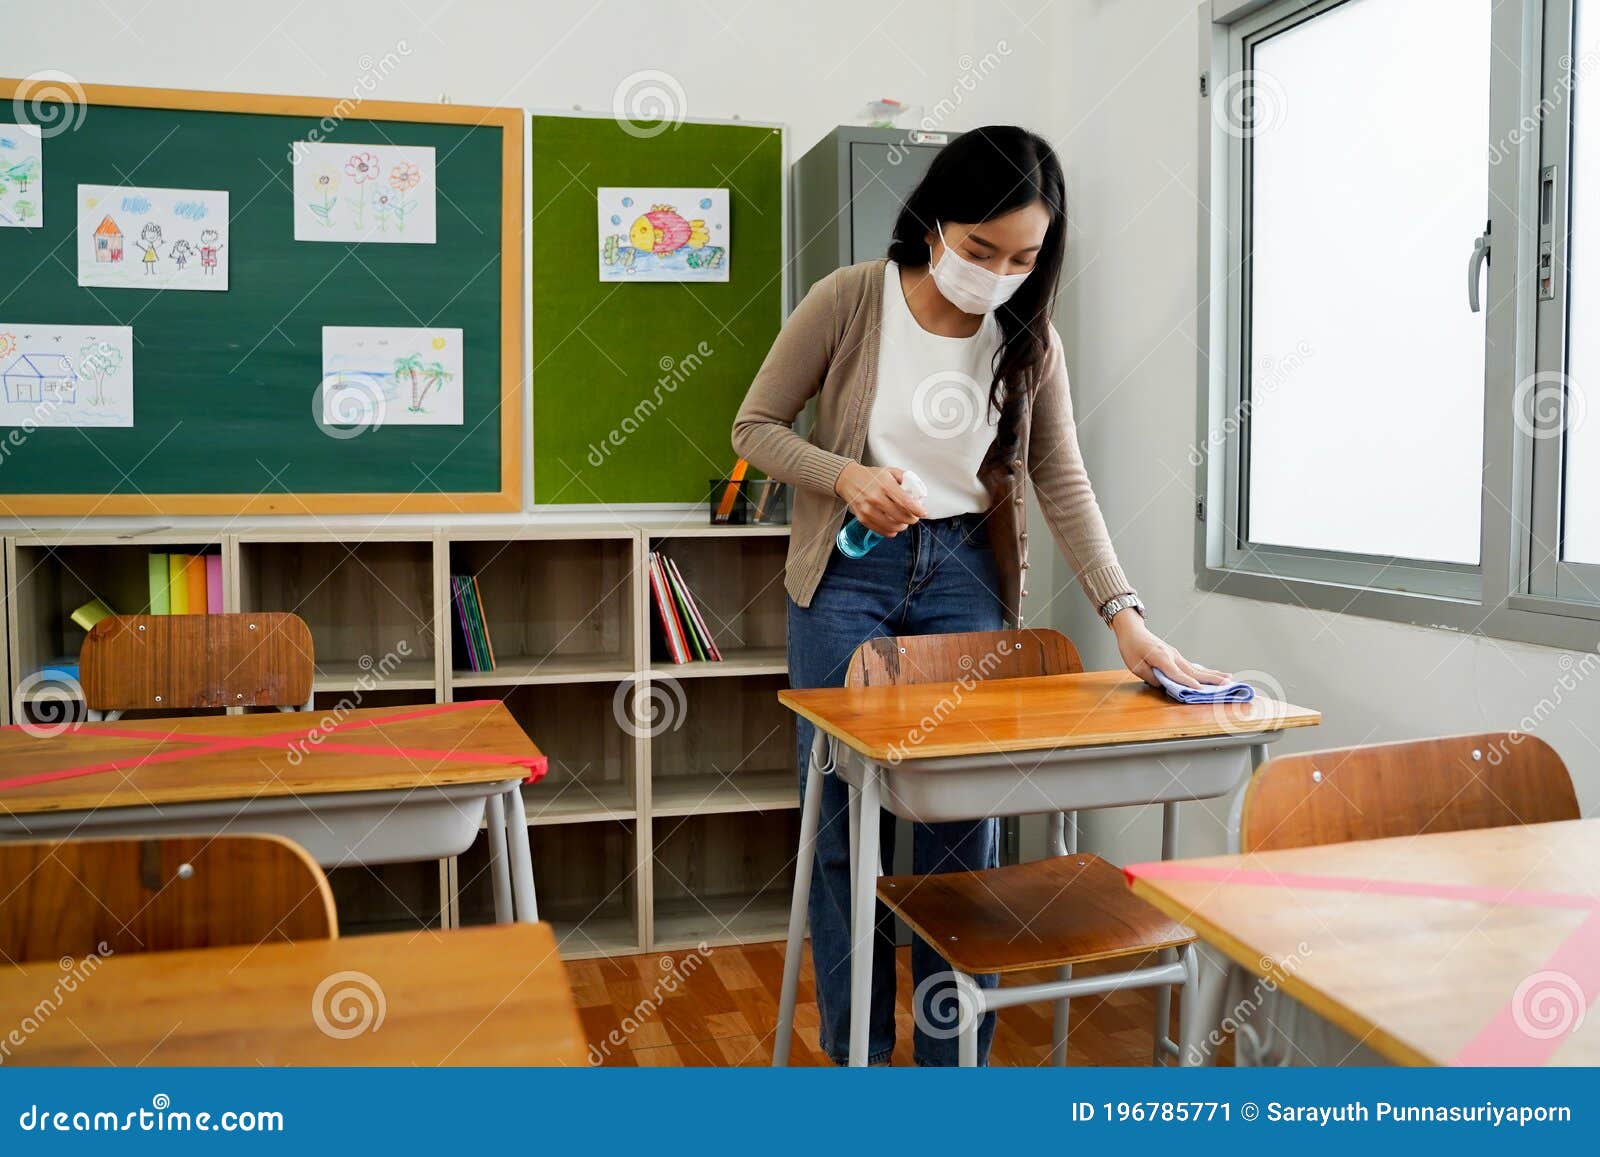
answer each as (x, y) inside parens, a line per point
(1523, 1032)
(534, 766)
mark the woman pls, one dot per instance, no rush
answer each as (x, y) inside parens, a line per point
(942, 361)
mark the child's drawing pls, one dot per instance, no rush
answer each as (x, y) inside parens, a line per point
(21, 177)
(380, 376)
(65, 375)
(663, 234)
(364, 193)
(152, 238)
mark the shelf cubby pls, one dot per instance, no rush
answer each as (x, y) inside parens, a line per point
(51, 575)
(732, 749)
(588, 886)
(723, 879)
(594, 762)
(368, 597)
(559, 607)
(387, 897)
(736, 577)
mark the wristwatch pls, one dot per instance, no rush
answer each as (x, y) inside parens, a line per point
(1113, 607)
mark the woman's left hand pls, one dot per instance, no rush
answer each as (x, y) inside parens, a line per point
(1142, 650)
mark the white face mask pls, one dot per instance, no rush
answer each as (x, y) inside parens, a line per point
(970, 287)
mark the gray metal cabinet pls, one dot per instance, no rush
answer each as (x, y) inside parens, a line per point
(847, 191)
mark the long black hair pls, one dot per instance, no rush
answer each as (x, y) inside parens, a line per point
(984, 174)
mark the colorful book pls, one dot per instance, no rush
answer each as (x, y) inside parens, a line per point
(680, 602)
(666, 613)
(194, 579)
(178, 583)
(91, 613)
(477, 603)
(714, 652)
(160, 585)
(470, 629)
(213, 584)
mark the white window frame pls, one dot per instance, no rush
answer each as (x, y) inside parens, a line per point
(1518, 591)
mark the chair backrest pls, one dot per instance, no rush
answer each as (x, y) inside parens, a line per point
(1459, 783)
(69, 897)
(192, 661)
(1012, 654)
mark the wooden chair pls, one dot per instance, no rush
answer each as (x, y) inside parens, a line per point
(187, 662)
(1076, 909)
(77, 898)
(1415, 787)
(1459, 783)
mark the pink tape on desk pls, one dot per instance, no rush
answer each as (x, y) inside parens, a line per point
(535, 766)
(1516, 897)
(1524, 1032)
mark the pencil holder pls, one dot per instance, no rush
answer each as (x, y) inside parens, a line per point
(748, 502)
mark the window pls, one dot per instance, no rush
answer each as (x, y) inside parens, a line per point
(1403, 331)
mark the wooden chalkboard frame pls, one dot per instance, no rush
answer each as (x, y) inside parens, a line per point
(509, 496)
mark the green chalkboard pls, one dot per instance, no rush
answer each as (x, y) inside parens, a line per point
(224, 382)
(628, 405)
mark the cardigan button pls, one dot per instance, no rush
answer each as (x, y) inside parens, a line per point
(1016, 463)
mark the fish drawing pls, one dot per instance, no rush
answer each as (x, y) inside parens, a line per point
(664, 230)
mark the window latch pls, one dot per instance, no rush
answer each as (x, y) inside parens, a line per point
(1480, 254)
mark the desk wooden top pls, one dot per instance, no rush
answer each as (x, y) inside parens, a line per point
(497, 995)
(1487, 969)
(929, 720)
(163, 761)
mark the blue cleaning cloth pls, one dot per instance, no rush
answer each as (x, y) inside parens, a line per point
(1234, 692)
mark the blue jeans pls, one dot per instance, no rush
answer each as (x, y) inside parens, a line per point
(938, 576)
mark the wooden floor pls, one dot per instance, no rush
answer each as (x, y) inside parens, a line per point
(720, 1008)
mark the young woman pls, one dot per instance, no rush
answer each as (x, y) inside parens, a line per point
(942, 361)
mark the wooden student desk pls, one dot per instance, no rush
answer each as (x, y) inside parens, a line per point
(368, 786)
(934, 752)
(472, 996)
(1478, 948)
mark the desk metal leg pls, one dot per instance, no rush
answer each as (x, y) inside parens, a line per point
(1169, 849)
(863, 909)
(527, 908)
(494, 816)
(810, 815)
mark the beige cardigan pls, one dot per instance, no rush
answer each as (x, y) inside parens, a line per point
(828, 349)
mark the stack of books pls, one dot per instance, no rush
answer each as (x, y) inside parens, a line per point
(185, 584)
(472, 633)
(681, 628)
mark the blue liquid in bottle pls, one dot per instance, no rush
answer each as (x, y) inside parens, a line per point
(856, 539)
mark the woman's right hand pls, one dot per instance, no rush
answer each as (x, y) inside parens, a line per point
(875, 496)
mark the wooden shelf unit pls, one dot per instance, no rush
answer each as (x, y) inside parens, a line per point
(649, 831)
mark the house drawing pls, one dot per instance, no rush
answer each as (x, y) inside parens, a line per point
(38, 378)
(108, 241)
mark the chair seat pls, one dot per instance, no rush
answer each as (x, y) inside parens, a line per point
(1060, 910)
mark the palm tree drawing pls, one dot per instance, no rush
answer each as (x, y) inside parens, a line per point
(435, 375)
(410, 366)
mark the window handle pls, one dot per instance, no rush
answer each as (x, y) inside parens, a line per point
(1480, 254)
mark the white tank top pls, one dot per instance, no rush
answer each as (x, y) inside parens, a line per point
(931, 413)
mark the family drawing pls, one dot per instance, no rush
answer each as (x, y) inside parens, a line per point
(108, 247)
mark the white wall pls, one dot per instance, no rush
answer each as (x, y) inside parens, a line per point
(1125, 105)
(811, 65)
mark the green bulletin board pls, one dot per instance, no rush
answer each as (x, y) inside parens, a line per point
(224, 382)
(635, 385)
